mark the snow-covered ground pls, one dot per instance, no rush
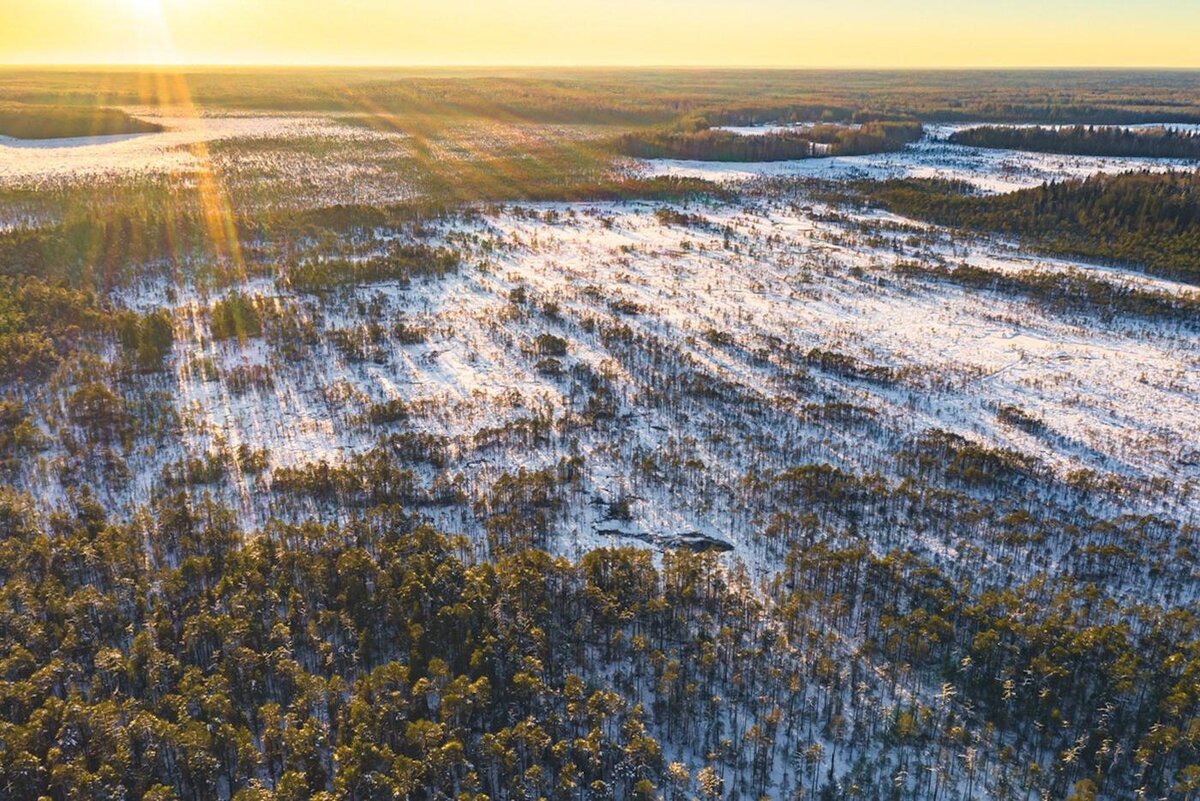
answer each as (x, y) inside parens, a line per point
(990, 170)
(678, 357)
(670, 356)
(700, 336)
(761, 130)
(184, 145)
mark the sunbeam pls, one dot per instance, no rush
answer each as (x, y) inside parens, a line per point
(703, 432)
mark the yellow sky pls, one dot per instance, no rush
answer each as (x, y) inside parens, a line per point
(850, 33)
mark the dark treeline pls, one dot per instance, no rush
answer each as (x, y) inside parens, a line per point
(959, 110)
(61, 122)
(821, 140)
(1081, 140)
(1063, 113)
(1147, 220)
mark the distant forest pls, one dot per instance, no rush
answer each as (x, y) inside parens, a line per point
(821, 140)
(1085, 140)
(655, 97)
(65, 122)
(1143, 219)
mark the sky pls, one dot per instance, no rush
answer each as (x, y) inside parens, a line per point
(766, 33)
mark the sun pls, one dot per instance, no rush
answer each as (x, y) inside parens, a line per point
(148, 13)
(149, 37)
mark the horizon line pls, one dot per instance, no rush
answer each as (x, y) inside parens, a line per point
(582, 67)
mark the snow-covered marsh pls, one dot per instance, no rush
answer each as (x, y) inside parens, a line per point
(989, 170)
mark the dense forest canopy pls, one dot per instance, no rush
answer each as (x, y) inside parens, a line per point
(381, 660)
(1150, 221)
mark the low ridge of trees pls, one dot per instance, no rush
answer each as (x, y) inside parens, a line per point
(23, 121)
(822, 140)
(1085, 140)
